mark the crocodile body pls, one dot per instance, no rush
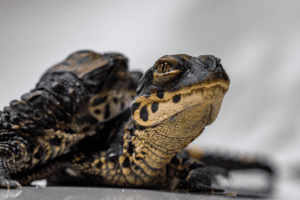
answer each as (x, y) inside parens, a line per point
(175, 100)
(73, 100)
(144, 146)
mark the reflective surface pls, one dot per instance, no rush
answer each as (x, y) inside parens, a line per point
(240, 185)
(81, 193)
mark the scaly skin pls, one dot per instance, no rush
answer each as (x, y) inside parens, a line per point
(72, 101)
(176, 99)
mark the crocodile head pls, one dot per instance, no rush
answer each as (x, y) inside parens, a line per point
(175, 100)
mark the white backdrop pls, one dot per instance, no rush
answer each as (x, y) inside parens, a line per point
(258, 42)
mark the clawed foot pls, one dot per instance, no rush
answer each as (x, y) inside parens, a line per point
(9, 184)
(199, 180)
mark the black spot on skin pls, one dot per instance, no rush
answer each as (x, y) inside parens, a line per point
(61, 115)
(138, 158)
(34, 130)
(133, 85)
(141, 128)
(160, 94)
(39, 154)
(130, 148)
(97, 112)
(134, 107)
(99, 165)
(126, 163)
(15, 119)
(99, 101)
(136, 167)
(115, 100)
(85, 129)
(176, 98)
(144, 114)
(87, 118)
(69, 130)
(122, 106)
(154, 107)
(107, 112)
(175, 161)
(55, 141)
(57, 87)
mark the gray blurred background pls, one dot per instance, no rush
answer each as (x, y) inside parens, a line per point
(257, 41)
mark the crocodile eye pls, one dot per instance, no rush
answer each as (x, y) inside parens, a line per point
(165, 72)
(164, 68)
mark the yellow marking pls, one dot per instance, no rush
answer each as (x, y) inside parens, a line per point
(111, 165)
(231, 194)
(122, 180)
(112, 172)
(103, 154)
(180, 167)
(109, 178)
(147, 179)
(35, 161)
(77, 159)
(159, 78)
(126, 171)
(130, 178)
(104, 172)
(103, 160)
(195, 151)
(15, 127)
(137, 171)
(190, 96)
(52, 151)
(116, 178)
(96, 161)
(162, 142)
(124, 96)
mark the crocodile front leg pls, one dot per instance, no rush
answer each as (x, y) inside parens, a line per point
(193, 175)
(5, 181)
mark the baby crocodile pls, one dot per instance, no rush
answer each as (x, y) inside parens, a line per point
(175, 100)
(73, 100)
(143, 146)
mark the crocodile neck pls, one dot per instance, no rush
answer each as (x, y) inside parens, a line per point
(152, 148)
